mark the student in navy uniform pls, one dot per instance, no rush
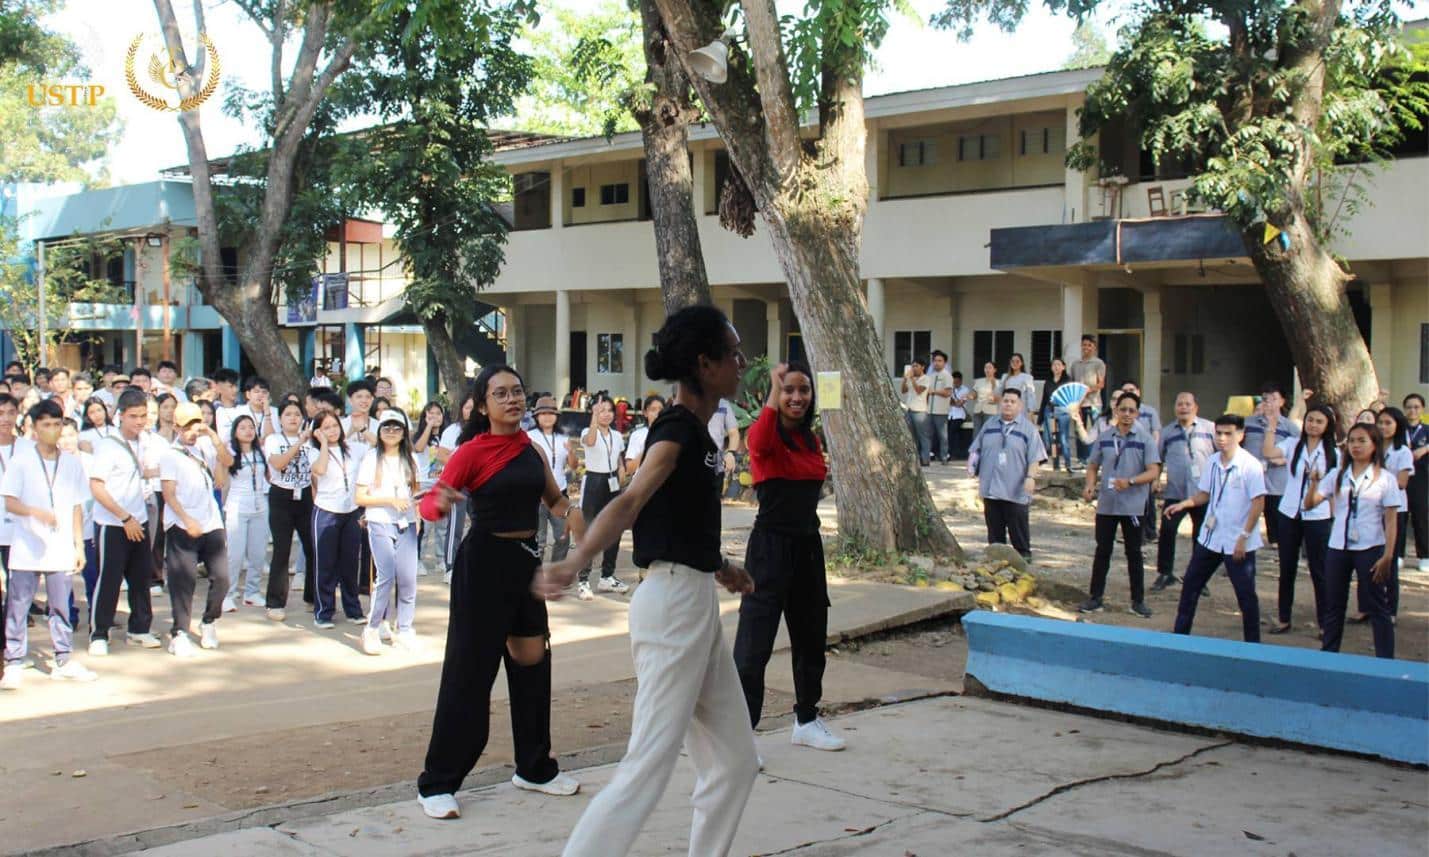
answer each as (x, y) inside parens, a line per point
(1233, 491)
(1269, 419)
(1417, 492)
(1122, 466)
(1365, 502)
(1002, 458)
(1306, 459)
(1186, 447)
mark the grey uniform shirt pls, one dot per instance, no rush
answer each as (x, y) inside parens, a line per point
(1122, 457)
(1184, 454)
(1150, 418)
(1005, 455)
(1276, 476)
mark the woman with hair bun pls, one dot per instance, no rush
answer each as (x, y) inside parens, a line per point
(687, 689)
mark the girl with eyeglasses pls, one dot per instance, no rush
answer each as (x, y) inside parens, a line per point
(387, 488)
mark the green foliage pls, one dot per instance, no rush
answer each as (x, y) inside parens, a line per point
(837, 37)
(753, 388)
(588, 72)
(1089, 47)
(48, 143)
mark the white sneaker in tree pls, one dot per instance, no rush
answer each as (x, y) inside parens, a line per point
(228, 605)
(209, 639)
(72, 670)
(440, 806)
(146, 641)
(817, 735)
(583, 591)
(181, 646)
(98, 648)
(612, 584)
(371, 641)
(561, 785)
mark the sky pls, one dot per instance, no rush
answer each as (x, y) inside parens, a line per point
(913, 56)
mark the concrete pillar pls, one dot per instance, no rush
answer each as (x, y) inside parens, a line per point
(629, 336)
(773, 331)
(558, 195)
(1072, 321)
(1151, 347)
(353, 348)
(1381, 330)
(873, 162)
(514, 340)
(698, 172)
(876, 309)
(232, 352)
(562, 376)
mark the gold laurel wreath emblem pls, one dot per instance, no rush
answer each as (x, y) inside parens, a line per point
(190, 103)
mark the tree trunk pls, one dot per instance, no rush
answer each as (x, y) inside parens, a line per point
(450, 364)
(254, 321)
(663, 128)
(1306, 286)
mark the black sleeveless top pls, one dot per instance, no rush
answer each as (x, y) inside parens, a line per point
(681, 521)
(510, 501)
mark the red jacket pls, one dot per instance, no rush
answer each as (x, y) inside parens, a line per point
(771, 458)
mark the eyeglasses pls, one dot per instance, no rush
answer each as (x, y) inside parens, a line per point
(392, 427)
(502, 396)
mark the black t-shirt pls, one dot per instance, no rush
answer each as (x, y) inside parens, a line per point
(681, 521)
(509, 501)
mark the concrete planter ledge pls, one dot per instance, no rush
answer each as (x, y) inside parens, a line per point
(1343, 702)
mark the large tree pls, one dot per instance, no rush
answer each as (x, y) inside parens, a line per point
(1268, 100)
(811, 193)
(328, 34)
(436, 77)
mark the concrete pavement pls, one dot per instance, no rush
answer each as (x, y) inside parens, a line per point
(940, 777)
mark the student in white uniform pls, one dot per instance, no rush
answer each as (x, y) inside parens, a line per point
(635, 444)
(44, 491)
(939, 404)
(1365, 502)
(1017, 378)
(1306, 460)
(724, 431)
(357, 426)
(336, 532)
(192, 469)
(915, 390)
(246, 514)
(1399, 461)
(94, 425)
(425, 436)
(10, 445)
(1233, 491)
(604, 472)
(387, 488)
(556, 449)
(290, 508)
(258, 404)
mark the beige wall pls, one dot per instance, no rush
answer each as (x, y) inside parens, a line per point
(1410, 299)
(991, 152)
(591, 177)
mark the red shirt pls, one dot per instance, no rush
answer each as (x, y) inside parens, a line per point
(771, 458)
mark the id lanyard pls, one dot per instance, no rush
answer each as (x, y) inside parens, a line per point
(342, 465)
(552, 444)
(1352, 508)
(50, 480)
(1306, 468)
(197, 459)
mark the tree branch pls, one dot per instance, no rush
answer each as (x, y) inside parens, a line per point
(771, 72)
(299, 87)
(276, 36)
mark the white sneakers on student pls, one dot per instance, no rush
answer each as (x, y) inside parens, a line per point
(561, 785)
(447, 578)
(436, 806)
(384, 632)
(72, 670)
(371, 641)
(612, 584)
(11, 680)
(210, 635)
(181, 646)
(145, 640)
(276, 614)
(229, 606)
(583, 592)
(817, 735)
(407, 640)
(322, 624)
(98, 648)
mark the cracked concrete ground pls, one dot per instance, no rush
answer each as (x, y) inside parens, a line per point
(943, 776)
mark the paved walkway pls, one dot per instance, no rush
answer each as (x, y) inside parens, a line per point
(940, 777)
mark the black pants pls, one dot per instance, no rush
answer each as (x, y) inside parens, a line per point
(788, 572)
(1006, 521)
(121, 561)
(1340, 566)
(1106, 540)
(959, 438)
(182, 555)
(1315, 536)
(1204, 563)
(287, 516)
(595, 496)
(1272, 521)
(490, 600)
(1418, 491)
(154, 531)
(1166, 540)
(336, 536)
(1148, 519)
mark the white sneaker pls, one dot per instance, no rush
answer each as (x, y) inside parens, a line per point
(210, 635)
(156, 589)
(612, 584)
(437, 806)
(72, 670)
(276, 614)
(146, 641)
(408, 640)
(323, 624)
(255, 601)
(583, 592)
(228, 605)
(11, 680)
(371, 641)
(561, 785)
(181, 646)
(447, 577)
(357, 620)
(98, 648)
(421, 570)
(815, 734)
(384, 632)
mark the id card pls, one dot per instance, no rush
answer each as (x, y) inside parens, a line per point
(1209, 526)
(613, 483)
(1002, 459)
(297, 494)
(1111, 483)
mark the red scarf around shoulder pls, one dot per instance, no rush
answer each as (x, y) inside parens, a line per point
(474, 463)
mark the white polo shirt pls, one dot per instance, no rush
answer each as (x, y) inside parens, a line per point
(942, 382)
(916, 399)
(336, 489)
(192, 470)
(58, 485)
(557, 451)
(1399, 460)
(1232, 487)
(1359, 504)
(8, 453)
(248, 486)
(393, 483)
(604, 456)
(119, 464)
(1293, 499)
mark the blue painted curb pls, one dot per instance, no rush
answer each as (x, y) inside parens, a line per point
(1343, 702)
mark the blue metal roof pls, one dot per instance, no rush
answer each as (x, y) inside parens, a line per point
(133, 207)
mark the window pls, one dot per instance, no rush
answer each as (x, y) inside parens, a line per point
(1189, 354)
(609, 353)
(1046, 344)
(1034, 141)
(979, 147)
(917, 153)
(994, 345)
(908, 344)
(577, 197)
(615, 194)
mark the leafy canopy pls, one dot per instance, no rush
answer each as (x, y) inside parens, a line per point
(587, 69)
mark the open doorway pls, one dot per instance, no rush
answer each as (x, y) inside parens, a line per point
(1121, 351)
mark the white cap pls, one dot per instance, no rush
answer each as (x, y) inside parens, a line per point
(393, 416)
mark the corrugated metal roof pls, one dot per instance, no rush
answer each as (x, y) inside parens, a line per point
(130, 208)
